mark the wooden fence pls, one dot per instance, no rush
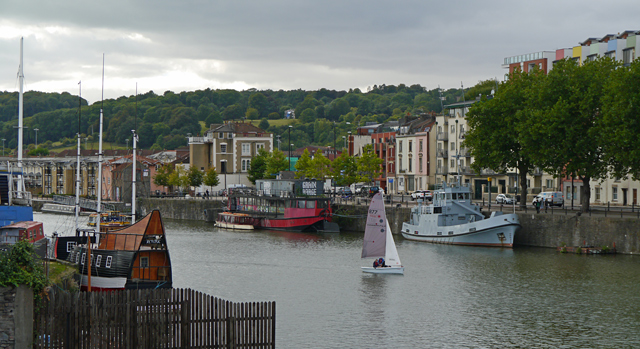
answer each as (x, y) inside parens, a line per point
(162, 318)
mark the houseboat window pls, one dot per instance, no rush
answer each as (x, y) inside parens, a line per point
(448, 196)
(84, 255)
(460, 196)
(287, 204)
(144, 262)
(311, 204)
(77, 257)
(108, 263)
(98, 260)
(467, 196)
(300, 204)
(322, 204)
(70, 246)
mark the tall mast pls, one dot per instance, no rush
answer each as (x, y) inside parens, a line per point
(98, 207)
(78, 157)
(133, 177)
(20, 120)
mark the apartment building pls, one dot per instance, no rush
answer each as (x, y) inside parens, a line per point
(229, 148)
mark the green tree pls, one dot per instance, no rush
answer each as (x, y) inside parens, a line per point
(39, 151)
(561, 135)
(494, 136)
(619, 124)
(308, 115)
(195, 176)
(260, 103)
(345, 170)
(211, 177)
(20, 265)
(252, 114)
(258, 166)
(264, 124)
(276, 162)
(162, 175)
(303, 165)
(179, 178)
(369, 165)
(320, 166)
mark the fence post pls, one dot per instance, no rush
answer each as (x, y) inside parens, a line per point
(231, 332)
(184, 324)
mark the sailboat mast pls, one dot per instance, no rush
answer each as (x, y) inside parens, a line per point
(20, 119)
(98, 206)
(78, 157)
(133, 176)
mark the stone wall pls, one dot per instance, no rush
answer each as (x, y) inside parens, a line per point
(540, 230)
(16, 317)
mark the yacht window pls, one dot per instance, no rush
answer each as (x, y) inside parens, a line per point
(448, 196)
(70, 246)
(98, 260)
(466, 196)
(108, 263)
(83, 258)
(460, 196)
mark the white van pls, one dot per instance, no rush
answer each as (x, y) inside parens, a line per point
(551, 198)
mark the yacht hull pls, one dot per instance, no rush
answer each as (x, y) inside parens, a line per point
(497, 231)
(383, 270)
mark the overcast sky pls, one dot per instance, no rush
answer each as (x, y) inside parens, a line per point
(285, 44)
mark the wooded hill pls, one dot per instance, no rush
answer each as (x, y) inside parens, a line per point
(164, 121)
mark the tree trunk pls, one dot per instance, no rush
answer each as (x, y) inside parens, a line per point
(585, 195)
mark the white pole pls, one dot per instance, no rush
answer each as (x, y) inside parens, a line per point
(133, 180)
(78, 159)
(20, 118)
(98, 207)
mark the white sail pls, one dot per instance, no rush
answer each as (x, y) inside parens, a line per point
(391, 253)
(375, 233)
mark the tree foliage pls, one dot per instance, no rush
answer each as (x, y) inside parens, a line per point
(258, 166)
(369, 165)
(211, 177)
(21, 266)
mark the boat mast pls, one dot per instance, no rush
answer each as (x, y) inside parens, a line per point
(98, 206)
(133, 177)
(20, 120)
(78, 157)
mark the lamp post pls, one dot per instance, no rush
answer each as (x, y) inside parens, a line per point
(345, 141)
(36, 129)
(349, 147)
(290, 127)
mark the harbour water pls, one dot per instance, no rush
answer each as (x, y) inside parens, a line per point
(449, 296)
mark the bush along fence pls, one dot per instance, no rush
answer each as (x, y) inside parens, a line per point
(162, 318)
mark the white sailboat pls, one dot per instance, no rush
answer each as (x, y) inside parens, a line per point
(378, 241)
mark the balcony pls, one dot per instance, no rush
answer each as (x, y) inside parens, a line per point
(466, 170)
(442, 170)
(465, 153)
(442, 153)
(488, 172)
(442, 136)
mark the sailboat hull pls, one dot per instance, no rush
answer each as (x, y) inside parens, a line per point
(384, 270)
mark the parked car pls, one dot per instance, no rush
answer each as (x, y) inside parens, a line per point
(505, 199)
(345, 192)
(422, 194)
(374, 190)
(550, 198)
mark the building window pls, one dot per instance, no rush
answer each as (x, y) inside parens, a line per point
(223, 148)
(230, 135)
(614, 193)
(410, 164)
(597, 194)
(610, 54)
(98, 260)
(453, 147)
(259, 146)
(628, 55)
(549, 183)
(453, 128)
(245, 164)
(452, 164)
(246, 149)
(144, 262)
(108, 263)
(400, 146)
(420, 165)
(220, 135)
(410, 146)
(420, 146)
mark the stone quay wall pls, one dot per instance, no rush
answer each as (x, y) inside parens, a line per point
(16, 317)
(538, 230)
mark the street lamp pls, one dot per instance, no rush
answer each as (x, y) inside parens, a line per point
(36, 129)
(290, 145)
(345, 141)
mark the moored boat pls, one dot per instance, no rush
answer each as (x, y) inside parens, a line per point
(109, 219)
(130, 258)
(292, 205)
(453, 219)
(231, 220)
